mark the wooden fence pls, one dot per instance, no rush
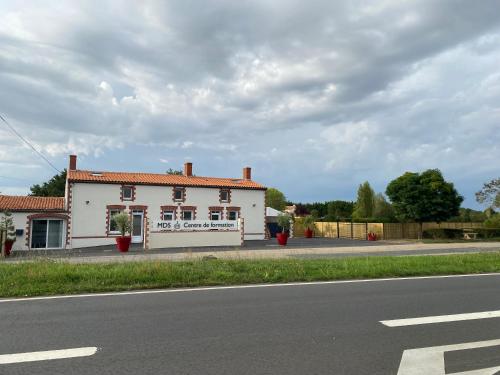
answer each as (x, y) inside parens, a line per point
(385, 231)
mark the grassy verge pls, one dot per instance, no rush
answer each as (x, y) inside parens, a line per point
(458, 240)
(47, 278)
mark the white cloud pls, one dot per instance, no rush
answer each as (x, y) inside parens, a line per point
(334, 93)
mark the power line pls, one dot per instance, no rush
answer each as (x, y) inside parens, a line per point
(29, 144)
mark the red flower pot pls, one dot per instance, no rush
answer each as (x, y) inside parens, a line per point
(282, 238)
(308, 233)
(123, 243)
(372, 237)
(8, 247)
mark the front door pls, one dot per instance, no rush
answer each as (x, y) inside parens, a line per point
(137, 226)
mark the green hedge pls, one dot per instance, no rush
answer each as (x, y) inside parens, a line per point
(487, 232)
(453, 234)
(443, 233)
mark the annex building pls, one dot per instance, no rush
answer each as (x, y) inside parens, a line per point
(166, 210)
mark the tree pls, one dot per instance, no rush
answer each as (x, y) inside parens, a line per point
(315, 213)
(55, 187)
(365, 203)
(383, 210)
(423, 197)
(300, 209)
(339, 210)
(468, 215)
(490, 193)
(493, 221)
(489, 212)
(275, 199)
(176, 172)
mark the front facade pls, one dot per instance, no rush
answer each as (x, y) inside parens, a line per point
(83, 217)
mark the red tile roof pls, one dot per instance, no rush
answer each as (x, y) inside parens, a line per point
(28, 203)
(161, 179)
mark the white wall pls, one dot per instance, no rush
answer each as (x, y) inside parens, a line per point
(89, 219)
(159, 240)
(19, 219)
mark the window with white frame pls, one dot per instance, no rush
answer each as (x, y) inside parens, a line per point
(113, 229)
(224, 196)
(187, 215)
(232, 215)
(168, 215)
(47, 234)
(215, 215)
(127, 193)
(178, 194)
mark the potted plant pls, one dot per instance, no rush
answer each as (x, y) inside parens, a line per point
(284, 222)
(7, 227)
(372, 236)
(122, 222)
(309, 226)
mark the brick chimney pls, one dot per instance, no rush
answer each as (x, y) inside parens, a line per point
(247, 173)
(188, 169)
(72, 162)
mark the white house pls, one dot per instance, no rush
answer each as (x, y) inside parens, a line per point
(235, 207)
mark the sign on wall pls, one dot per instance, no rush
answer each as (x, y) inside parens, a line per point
(194, 225)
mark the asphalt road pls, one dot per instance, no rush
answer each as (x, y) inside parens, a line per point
(302, 329)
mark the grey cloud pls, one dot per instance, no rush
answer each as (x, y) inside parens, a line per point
(417, 80)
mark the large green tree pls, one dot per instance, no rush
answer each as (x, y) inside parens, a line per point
(490, 193)
(365, 202)
(424, 197)
(55, 187)
(383, 210)
(275, 199)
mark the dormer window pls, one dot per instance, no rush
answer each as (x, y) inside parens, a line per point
(179, 194)
(128, 193)
(225, 196)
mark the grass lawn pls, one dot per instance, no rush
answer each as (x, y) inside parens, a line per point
(49, 277)
(459, 240)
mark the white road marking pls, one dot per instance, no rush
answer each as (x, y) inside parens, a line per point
(47, 355)
(250, 286)
(440, 319)
(430, 361)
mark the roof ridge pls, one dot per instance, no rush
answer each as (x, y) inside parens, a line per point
(28, 196)
(156, 174)
(30, 203)
(149, 178)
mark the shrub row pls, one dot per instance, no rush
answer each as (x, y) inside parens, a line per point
(451, 234)
(443, 233)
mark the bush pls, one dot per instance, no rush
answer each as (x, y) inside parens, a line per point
(493, 221)
(454, 234)
(284, 222)
(443, 234)
(488, 232)
(308, 222)
(122, 221)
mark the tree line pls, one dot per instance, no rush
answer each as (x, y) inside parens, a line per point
(412, 197)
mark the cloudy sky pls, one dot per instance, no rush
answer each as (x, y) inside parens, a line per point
(316, 96)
